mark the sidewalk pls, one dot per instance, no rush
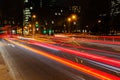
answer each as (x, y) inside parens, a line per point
(4, 72)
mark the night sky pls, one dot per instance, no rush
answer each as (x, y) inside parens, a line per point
(90, 8)
(10, 7)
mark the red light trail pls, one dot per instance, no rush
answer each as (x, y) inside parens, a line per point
(96, 73)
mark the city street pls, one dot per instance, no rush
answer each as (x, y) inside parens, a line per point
(31, 66)
(60, 40)
(27, 64)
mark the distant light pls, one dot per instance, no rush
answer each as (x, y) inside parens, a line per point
(55, 13)
(13, 31)
(74, 23)
(64, 25)
(26, 1)
(36, 24)
(25, 27)
(99, 21)
(37, 29)
(31, 8)
(34, 16)
(27, 17)
(52, 22)
(27, 12)
(59, 14)
(86, 25)
(13, 22)
(69, 19)
(27, 9)
(46, 23)
(74, 16)
(50, 31)
(30, 25)
(26, 20)
(44, 31)
(61, 11)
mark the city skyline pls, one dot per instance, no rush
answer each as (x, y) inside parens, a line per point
(90, 10)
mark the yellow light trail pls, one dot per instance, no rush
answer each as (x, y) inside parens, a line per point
(96, 73)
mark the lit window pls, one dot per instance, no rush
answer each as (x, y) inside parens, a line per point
(26, 0)
(74, 23)
(55, 13)
(59, 13)
(52, 22)
(27, 13)
(26, 20)
(31, 8)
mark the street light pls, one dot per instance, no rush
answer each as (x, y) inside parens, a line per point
(69, 19)
(34, 16)
(74, 17)
(30, 25)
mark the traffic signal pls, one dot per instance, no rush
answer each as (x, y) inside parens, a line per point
(36, 25)
(44, 31)
(50, 31)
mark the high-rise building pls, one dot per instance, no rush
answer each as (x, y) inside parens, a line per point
(50, 12)
(115, 16)
(27, 12)
(115, 7)
(41, 3)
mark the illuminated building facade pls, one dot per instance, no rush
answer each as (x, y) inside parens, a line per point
(115, 15)
(115, 7)
(26, 12)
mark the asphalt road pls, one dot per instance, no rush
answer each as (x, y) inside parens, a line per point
(27, 65)
(94, 48)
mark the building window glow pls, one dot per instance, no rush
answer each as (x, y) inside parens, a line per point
(61, 11)
(26, 1)
(27, 13)
(59, 14)
(52, 22)
(13, 31)
(31, 8)
(55, 13)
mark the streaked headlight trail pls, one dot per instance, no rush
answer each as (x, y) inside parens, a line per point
(97, 73)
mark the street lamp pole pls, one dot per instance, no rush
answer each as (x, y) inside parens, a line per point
(33, 22)
(73, 17)
(69, 20)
